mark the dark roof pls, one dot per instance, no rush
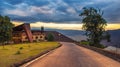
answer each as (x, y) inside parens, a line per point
(20, 27)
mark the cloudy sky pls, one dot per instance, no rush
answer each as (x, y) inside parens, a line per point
(57, 13)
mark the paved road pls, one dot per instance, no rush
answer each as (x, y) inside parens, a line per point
(71, 55)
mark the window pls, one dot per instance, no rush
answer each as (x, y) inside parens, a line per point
(36, 37)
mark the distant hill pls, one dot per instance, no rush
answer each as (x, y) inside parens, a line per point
(115, 38)
(77, 35)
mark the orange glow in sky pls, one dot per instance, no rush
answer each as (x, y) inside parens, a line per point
(65, 26)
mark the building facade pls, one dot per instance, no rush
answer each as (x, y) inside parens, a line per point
(23, 33)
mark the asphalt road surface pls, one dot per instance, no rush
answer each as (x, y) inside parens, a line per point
(71, 55)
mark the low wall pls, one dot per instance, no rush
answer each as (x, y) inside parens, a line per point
(112, 55)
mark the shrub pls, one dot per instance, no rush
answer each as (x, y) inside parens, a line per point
(84, 42)
(88, 43)
(21, 48)
(18, 52)
(50, 37)
(101, 46)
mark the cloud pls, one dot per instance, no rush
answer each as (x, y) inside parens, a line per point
(43, 10)
(58, 11)
(16, 12)
(14, 2)
(16, 23)
(71, 10)
(24, 9)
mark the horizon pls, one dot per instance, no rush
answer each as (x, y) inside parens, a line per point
(66, 26)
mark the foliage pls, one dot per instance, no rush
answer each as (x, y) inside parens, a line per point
(5, 29)
(21, 48)
(84, 42)
(50, 37)
(101, 46)
(94, 24)
(42, 29)
(18, 52)
(87, 43)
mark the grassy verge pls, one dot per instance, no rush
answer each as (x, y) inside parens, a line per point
(87, 43)
(18, 52)
(84, 43)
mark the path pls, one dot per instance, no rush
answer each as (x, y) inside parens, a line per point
(71, 55)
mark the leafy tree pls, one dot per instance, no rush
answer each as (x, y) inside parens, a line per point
(50, 37)
(94, 24)
(42, 29)
(5, 29)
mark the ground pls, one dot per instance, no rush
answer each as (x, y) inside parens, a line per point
(71, 55)
(17, 52)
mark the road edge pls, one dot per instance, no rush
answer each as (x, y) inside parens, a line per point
(109, 54)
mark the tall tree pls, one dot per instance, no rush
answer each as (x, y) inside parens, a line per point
(94, 24)
(42, 29)
(5, 29)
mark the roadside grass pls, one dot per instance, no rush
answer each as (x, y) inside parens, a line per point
(84, 43)
(87, 43)
(17, 52)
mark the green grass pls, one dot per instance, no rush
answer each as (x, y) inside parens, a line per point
(87, 43)
(15, 53)
(84, 43)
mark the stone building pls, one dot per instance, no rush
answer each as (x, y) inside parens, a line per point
(23, 33)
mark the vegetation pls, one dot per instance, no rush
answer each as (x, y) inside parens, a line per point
(84, 42)
(18, 52)
(5, 29)
(87, 43)
(50, 37)
(94, 24)
(42, 29)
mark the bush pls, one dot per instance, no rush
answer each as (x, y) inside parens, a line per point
(21, 48)
(84, 42)
(18, 52)
(101, 46)
(50, 37)
(88, 43)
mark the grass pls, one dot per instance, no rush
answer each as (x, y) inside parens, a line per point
(18, 52)
(84, 43)
(87, 43)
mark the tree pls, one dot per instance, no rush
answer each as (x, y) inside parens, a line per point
(42, 29)
(5, 29)
(50, 37)
(94, 24)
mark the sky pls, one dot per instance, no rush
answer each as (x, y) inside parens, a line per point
(58, 14)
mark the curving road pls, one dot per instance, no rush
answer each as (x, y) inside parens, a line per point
(71, 55)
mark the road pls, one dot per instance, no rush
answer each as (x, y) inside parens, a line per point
(71, 55)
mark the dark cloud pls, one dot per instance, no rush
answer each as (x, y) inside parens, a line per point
(56, 10)
(37, 2)
(14, 2)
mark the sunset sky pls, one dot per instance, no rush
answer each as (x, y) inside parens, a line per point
(58, 14)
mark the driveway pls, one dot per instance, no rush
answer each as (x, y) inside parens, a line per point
(71, 55)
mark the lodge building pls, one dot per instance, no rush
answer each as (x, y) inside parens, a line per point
(23, 33)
